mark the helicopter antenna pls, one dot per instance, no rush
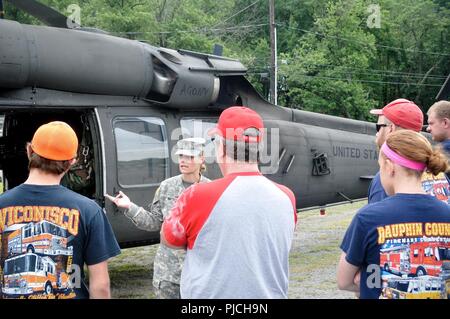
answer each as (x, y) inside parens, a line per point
(42, 12)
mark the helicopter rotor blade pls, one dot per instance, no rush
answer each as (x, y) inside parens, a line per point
(42, 12)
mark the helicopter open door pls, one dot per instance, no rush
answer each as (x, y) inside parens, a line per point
(18, 128)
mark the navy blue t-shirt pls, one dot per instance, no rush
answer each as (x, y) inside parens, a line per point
(435, 185)
(446, 146)
(47, 235)
(376, 190)
(405, 239)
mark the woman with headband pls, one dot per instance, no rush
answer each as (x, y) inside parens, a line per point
(396, 247)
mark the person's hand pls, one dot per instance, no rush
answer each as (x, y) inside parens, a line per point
(121, 200)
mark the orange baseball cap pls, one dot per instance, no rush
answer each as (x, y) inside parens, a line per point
(55, 141)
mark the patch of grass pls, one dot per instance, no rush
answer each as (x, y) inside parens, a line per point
(124, 273)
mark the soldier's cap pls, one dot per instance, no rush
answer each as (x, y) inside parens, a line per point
(403, 113)
(55, 141)
(192, 146)
(239, 123)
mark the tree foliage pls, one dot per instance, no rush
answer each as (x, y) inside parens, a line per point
(331, 60)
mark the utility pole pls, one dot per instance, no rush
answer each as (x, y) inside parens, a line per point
(2, 12)
(273, 54)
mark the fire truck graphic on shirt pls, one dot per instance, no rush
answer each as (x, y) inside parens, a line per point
(43, 237)
(437, 186)
(29, 273)
(411, 265)
(36, 260)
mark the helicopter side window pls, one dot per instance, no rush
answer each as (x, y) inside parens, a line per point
(142, 151)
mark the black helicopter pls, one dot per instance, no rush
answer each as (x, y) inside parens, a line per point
(127, 100)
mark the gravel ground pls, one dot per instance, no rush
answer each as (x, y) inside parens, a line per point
(313, 259)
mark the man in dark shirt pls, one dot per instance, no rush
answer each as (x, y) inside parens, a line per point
(48, 233)
(439, 124)
(397, 115)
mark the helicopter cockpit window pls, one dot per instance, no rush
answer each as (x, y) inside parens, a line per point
(199, 127)
(142, 151)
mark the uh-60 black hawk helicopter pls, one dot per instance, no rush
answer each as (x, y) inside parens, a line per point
(126, 98)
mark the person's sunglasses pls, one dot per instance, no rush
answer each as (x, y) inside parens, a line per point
(379, 126)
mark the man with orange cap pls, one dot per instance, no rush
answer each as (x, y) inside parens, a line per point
(238, 229)
(49, 232)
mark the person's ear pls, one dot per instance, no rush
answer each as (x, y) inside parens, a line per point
(391, 128)
(220, 152)
(73, 161)
(446, 122)
(390, 167)
(29, 150)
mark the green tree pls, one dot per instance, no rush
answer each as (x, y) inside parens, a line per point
(320, 71)
(330, 60)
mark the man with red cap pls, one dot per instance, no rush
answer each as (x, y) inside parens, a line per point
(397, 115)
(49, 233)
(402, 114)
(237, 230)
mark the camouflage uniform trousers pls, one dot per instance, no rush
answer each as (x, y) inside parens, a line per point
(168, 262)
(167, 290)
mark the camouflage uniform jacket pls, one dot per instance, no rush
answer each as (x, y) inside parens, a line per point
(168, 262)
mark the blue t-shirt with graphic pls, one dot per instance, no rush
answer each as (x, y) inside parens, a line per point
(435, 185)
(376, 190)
(400, 244)
(47, 235)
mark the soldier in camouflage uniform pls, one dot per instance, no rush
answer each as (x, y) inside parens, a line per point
(168, 262)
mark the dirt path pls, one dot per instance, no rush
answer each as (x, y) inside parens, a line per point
(314, 256)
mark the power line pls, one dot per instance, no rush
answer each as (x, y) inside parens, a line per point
(372, 71)
(369, 81)
(399, 73)
(357, 80)
(436, 78)
(365, 44)
(412, 75)
(379, 71)
(235, 14)
(202, 30)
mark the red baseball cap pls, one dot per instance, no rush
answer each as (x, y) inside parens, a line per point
(403, 113)
(55, 141)
(239, 123)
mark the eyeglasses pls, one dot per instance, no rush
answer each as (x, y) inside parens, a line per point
(379, 126)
